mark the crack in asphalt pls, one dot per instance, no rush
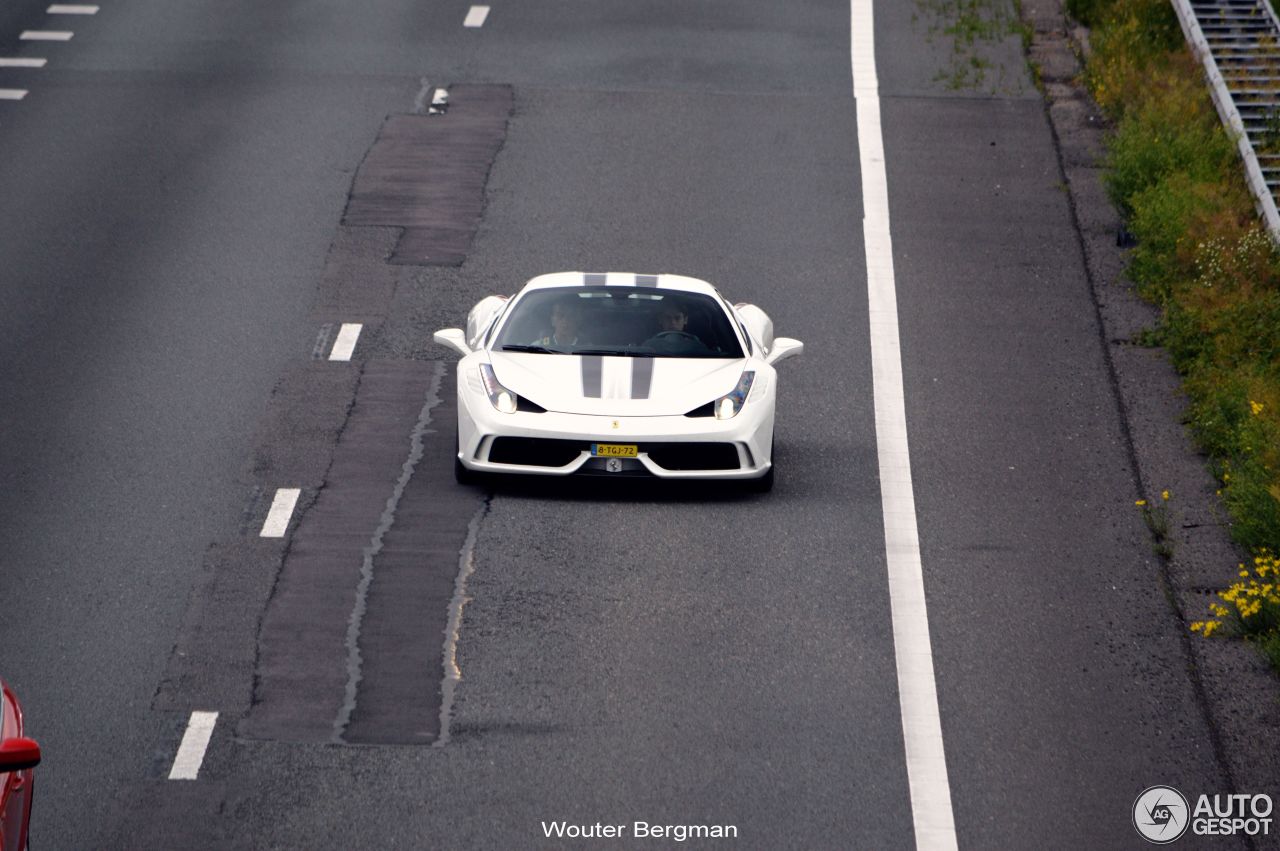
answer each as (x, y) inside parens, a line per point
(452, 673)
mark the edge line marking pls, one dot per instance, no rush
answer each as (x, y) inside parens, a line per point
(931, 811)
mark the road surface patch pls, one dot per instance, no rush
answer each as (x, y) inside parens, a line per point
(427, 173)
(349, 647)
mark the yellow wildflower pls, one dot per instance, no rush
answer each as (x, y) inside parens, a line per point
(1256, 407)
(1164, 495)
(1140, 503)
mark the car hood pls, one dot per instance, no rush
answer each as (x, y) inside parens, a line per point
(616, 386)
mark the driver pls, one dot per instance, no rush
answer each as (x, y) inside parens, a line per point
(671, 333)
(672, 318)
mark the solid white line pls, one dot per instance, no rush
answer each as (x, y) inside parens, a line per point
(476, 16)
(22, 63)
(45, 35)
(346, 342)
(12, 94)
(281, 510)
(65, 9)
(195, 741)
(917, 692)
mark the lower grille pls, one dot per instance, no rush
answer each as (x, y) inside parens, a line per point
(693, 456)
(549, 452)
(535, 451)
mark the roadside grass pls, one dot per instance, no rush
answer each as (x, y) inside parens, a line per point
(967, 26)
(1203, 258)
(1157, 519)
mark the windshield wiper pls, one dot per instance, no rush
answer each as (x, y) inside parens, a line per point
(537, 350)
(622, 353)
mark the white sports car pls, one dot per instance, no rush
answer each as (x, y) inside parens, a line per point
(617, 374)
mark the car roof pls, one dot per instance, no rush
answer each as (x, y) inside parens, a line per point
(620, 279)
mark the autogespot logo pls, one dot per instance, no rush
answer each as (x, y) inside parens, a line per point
(1160, 814)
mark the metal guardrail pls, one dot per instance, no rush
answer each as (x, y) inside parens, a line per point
(1239, 43)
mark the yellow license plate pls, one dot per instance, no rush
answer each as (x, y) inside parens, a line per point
(615, 450)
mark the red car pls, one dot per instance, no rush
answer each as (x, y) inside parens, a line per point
(18, 755)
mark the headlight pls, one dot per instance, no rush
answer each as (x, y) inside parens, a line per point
(500, 397)
(727, 406)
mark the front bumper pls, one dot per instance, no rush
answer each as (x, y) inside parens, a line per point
(739, 448)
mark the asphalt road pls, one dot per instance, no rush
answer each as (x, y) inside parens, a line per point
(174, 260)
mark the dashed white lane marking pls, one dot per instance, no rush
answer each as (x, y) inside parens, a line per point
(476, 16)
(281, 511)
(72, 9)
(346, 342)
(195, 741)
(930, 790)
(45, 35)
(22, 63)
(12, 94)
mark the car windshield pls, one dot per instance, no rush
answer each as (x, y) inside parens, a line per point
(619, 321)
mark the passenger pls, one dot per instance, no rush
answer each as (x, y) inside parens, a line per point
(565, 317)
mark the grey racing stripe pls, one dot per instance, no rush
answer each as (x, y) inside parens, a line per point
(592, 375)
(593, 279)
(646, 280)
(641, 377)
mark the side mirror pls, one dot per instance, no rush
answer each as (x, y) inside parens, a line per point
(454, 338)
(482, 316)
(18, 754)
(783, 348)
(757, 322)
